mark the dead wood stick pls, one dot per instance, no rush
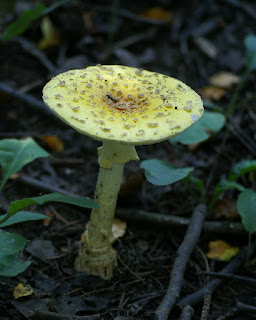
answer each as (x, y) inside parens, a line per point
(180, 262)
(211, 286)
(187, 313)
(46, 315)
(239, 307)
(165, 220)
(229, 276)
(31, 101)
(44, 186)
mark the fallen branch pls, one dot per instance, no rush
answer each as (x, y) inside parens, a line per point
(165, 220)
(180, 262)
(211, 286)
(187, 313)
(31, 101)
(228, 276)
(46, 315)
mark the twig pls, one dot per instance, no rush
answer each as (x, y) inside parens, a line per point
(187, 313)
(229, 276)
(129, 15)
(46, 315)
(180, 262)
(165, 220)
(211, 286)
(237, 309)
(42, 185)
(31, 101)
(31, 48)
(206, 307)
(126, 267)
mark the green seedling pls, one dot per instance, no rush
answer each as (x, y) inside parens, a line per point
(20, 25)
(11, 244)
(14, 155)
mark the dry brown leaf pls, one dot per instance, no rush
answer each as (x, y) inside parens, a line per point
(22, 290)
(212, 93)
(47, 221)
(50, 35)
(157, 13)
(221, 250)
(54, 142)
(118, 228)
(226, 208)
(224, 80)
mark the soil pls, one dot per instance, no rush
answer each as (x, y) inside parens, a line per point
(200, 39)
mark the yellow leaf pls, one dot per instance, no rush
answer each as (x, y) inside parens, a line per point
(54, 142)
(157, 13)
(211, 92)
(224, 80)
(221, 250)
(22, 290)
(50, 35)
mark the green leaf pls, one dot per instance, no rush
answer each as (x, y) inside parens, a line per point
(227, 185)
(241, 168)
(162, 173)
(23, 22)
(210, 122)
(246, 206)
(197, 182)
(22, 216)
(18, 205)
(10, 263)
(223, 186)
(15, 154)
(250, 45)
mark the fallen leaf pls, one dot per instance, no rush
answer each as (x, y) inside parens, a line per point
(118, 228)
(224, 80)
(157, 13)
(212, 93)
(22, 290)
(226, 208)
(221, 250)
(47, 221)
(54, 142)
(50, 35)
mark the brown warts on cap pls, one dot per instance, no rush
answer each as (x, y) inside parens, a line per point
(59, 97)
(152, 124)
(62, 83)
(181, 88)
(188, 106)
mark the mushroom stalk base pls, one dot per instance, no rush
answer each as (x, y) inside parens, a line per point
(97, 256)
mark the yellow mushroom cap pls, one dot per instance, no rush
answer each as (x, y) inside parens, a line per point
(123, 104)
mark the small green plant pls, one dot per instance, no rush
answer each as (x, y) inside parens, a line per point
(15, 154)
(20, 25)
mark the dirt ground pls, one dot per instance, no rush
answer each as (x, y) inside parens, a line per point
(190, 41)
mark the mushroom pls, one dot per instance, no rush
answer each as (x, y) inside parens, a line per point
(122, 107)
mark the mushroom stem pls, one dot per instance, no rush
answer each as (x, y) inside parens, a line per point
(97, 256)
